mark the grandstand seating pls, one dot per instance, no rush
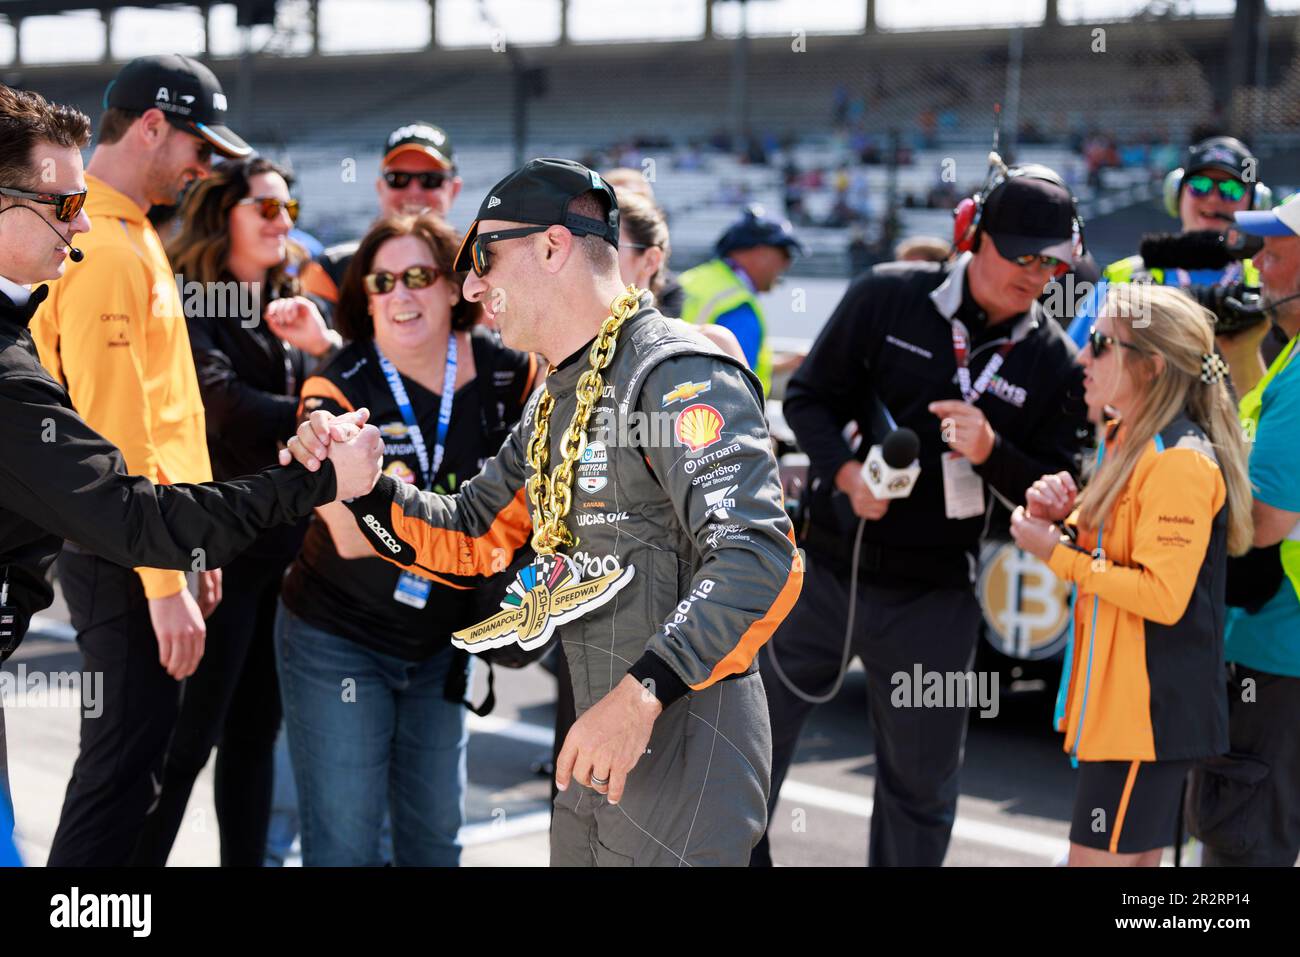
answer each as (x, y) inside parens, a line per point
(318, 113)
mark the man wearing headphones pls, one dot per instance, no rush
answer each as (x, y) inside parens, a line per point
(1217, 179)
(962, 354)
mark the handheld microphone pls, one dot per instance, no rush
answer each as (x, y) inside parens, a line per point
(891, 468)
(75, 254)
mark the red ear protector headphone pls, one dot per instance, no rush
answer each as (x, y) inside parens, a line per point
(966, 217)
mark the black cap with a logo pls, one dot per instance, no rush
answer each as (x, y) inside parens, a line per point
(1031, 214)
(1225, 153)
(425, 138)
(186, 91)
(539, 192)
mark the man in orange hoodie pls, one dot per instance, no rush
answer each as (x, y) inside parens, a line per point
(113, 331)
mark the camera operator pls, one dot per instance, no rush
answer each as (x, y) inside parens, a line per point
(1243, 806)
(1207, 260)
(962, 354)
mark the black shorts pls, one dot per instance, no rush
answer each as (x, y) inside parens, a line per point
(1127, 807)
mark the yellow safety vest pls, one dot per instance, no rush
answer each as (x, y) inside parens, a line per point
(712, 289)
(1248, 411)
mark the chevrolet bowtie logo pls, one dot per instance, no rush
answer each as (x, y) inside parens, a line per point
(685, 391)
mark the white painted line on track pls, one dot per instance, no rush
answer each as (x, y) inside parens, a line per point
(486, 832)
(1002, 836)
(978, 832)
(508, 728)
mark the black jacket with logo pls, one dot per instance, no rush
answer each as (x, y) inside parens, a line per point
(354, 597)
(889, 342)
(59, 478)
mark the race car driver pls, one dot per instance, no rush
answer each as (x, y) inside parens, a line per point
(676, 518)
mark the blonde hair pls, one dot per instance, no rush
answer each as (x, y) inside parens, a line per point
(1171, 325)
(929, 249)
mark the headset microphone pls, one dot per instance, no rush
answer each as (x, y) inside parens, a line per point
(76, 255)
(1259, 307)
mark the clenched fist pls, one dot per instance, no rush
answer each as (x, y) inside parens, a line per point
(357, 462)
(356, 449)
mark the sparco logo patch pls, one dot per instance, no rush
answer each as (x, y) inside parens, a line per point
(383, 534)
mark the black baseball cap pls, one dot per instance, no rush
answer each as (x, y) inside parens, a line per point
(425, 138)
(538, 193)
(1025, 214)
(186, 91)
(1225, 153)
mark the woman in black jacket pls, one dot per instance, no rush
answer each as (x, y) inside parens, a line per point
(373, 690)
(235, 260)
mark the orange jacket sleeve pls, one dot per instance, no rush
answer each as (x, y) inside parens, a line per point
(1177, 499)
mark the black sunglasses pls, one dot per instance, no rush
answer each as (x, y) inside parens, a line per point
(1099, 343)
(269, 207)
(66, 205)
(479, 248)
(416, 277)
(1050, 262)
(400, 180)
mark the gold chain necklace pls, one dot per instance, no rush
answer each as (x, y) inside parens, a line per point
(552, 497)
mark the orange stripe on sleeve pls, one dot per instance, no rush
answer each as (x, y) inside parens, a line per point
(453, 552)
(757, 635)
(1123, 806)
(316, 281)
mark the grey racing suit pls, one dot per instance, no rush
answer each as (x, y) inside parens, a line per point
(678, 480)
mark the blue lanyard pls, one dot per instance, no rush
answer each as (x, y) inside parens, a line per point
(1092, 635)
(395, 386)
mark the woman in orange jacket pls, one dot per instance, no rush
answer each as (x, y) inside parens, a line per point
(1146, 545)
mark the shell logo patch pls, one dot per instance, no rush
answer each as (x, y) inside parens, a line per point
(699, 426)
